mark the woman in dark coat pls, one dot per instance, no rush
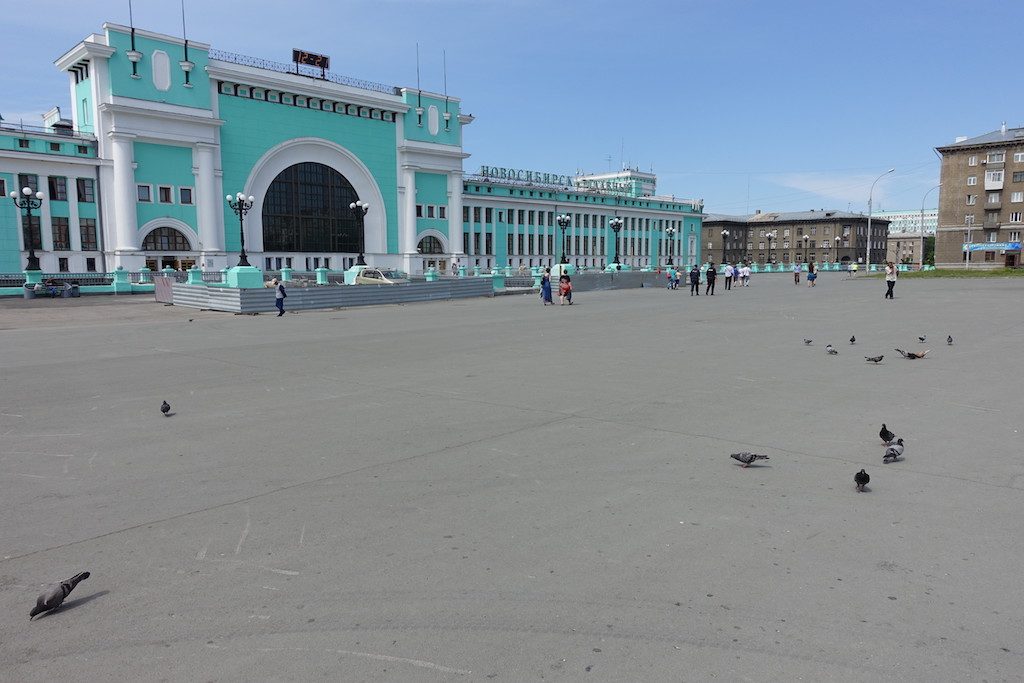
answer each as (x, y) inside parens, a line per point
(545, 287)
(695, 280)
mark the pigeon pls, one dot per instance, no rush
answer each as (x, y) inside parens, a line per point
(921, 338)
(191, 319)
(861, 479)
(808, 342)
(747, 458)
(830, 350)
(949, 340)
(53, 596)
(885, 434)
(853, 339)
(893, 451)
(912, 355)
(874, 359)
(165, 408)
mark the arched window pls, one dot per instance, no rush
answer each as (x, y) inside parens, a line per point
(306, 209)
(430, 245)
(166, 239)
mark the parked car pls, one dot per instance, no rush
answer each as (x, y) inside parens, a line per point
(377, 276)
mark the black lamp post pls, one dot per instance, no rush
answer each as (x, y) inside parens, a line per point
(616, 224)
(725, 236)
(671, 232)
(241, 204)
(359, 209)
(806, 241)
(770, 235)
(564, 221)
(28, 202)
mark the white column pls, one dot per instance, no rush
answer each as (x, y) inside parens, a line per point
(407, 226)
(209, 202)
(126, 229)
(455, 225)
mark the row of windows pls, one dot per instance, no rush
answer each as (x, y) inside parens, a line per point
(305, 102)
(995, 198)
(993, 236)
(54, 146)
(577, 220)
(431, 211)
(57, 185)
(164, 193)
(61, 232)
(540, 194)
(996, 177)
(1015, 217)
(996, 158)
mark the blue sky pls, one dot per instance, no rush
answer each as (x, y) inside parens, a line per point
(783, 105)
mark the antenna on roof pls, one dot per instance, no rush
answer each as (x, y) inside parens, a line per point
(186, 64)
(419, 93)
(444, 65)
(133, 55)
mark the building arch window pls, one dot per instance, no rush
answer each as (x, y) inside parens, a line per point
(306, 208)
(166, 239)
(430, 245)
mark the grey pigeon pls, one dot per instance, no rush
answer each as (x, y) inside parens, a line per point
(913, 354)
(165, 407)
(922, 338)
(853, 339)
(874, 359)
(53, 596)
(885, 435)
(894, 451)
(808, 341)
(861, 479)
(949, 340)
(747, 458)
(830, 350)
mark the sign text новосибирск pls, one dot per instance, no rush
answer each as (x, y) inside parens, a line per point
(499, 173)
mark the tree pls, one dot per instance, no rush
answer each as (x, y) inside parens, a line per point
(929, 250)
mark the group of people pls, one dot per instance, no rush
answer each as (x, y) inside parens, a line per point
(564, 288)
(812, 273)
(732, 274)
(52, 287)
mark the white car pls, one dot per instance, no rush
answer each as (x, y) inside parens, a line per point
(378, 276)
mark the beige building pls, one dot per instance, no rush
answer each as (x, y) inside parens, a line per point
(981, 201)
(905, 247)
(801, 236)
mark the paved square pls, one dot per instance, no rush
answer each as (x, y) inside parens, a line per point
(497, 490)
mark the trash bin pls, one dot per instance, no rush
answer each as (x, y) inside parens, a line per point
(75, 291)
(30, 292)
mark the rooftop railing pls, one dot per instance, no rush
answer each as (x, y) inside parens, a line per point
(8, 127)
(301, 70)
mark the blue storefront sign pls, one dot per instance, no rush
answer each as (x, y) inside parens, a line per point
(992, 246)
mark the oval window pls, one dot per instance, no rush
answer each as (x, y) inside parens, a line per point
(432, 120)
(161, 71)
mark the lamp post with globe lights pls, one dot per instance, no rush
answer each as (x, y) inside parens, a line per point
(564, 221)
(770, 235)
(725, 237)
(806, 240)
(28, 202)
(616, 224)
(671, 232)
(867, 248)
(359, 209)
(241, 204)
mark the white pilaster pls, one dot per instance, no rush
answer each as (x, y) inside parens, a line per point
(455, 226)
(209, 202)
(126, 236)
(407, 226)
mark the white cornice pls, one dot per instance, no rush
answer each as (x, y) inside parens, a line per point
(301, 85)
(466, 119)
(84, 50)
(166, 112)
(50, 158)
(155, 36)
(439, 96)
(448, 151)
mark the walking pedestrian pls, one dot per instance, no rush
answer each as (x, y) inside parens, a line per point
(728, 276)
(736, 272)
(279, 296)
(812, 273)
(745, 274)
(564, 289)
(670, 276)
(796, 272)
(677, 274)
(545, 287)
(710, 277)
(890, 279)
(694, 280)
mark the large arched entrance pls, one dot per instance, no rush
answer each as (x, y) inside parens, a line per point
(167, 247)
(306, 209)
(431, 248)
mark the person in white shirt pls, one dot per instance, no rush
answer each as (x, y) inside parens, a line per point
(728, 276)
(745, 274)
(796, 272)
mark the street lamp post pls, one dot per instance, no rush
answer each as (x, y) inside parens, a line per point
(564, 221)
(770, 235)
(725, 236)
(806, 242)
(925, 197)
(616, 224)
(359, 209)
(241, 204)
(671, 232)
(867, 250)
(28, 202)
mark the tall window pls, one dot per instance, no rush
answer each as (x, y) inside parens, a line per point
(61, 236)
(30, 181)
(58, 188)
(86, 190)
(166, 239)
(31, 231)
(430, 245)
(87, 228)
(306, 209)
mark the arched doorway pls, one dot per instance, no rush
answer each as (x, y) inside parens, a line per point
(167, 247)
(306, 209)
(432, 250)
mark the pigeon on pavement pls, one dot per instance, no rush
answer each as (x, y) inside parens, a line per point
(747, 458)
(165, 408)
(874, 359)
(853, 339)
(861, 479)
(830, 350)
(912, 354)
(922, 338)
(885, 434)
(53, 596)
(949, 340)
(808, 342)
(893, 451)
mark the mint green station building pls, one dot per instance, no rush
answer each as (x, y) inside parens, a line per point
(160, 130)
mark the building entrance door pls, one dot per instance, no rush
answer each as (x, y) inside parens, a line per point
(438, 264)
(1011, 260)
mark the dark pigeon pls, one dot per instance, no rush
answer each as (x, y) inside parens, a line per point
(874, 359)
(885, 434)
(747, 458)
(949, 340)
(53, 596)
(853, 339)
(922, 338)
(894, 451)
(165, 407)
(808, 341)
(861, 479)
